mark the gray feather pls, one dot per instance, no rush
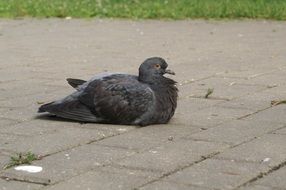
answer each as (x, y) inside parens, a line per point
(149, 98)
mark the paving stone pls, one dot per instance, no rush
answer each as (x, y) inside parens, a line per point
(275, 78)
(258, 100)
(198, 119)
(224, 88)
(37, 127)
(268, 150)
(53, 125)
(20, 114)
(6, 139)
(258, 187)
(247, 102)
(54, 142)
(247, 73)
(275, 113)
(107, 178)
(115, 129)
(66, 164)
(236, 131)
(210, 116)
(33, 101)
(22, 88)
(218, 174)
(192, 105)
(14, 74)
(15, 185)
(281, 131)
(148, 137)
(7, 122)
(172, 155)
(166, 185)
(275, 179)
(4, 160)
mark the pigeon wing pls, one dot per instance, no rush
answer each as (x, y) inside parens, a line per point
(70, 108)
(118, 99)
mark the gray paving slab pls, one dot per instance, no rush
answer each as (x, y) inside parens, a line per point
(223, 88)
(70, 163)
(275, 78)
(167, 185)
(107, 178)
(7, 122)
(35, 100)
(4, 160)
(6, 139)
(237, 131)
(259, 187)
(192, 105)
(53, 142)
(149, 137)
(211, 116)
(36, 127)
(268, 150)
(244, 61)
(218, 174)
(274, 113)
(22, 88)
(172, 155)
(281, 131)
(275, 179)
(15, 185)
(258, 100)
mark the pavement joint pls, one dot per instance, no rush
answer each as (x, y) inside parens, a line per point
(263, 174)
(181, 168)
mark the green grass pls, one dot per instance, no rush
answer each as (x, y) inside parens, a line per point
(21, 158)
(209, 92)
(145, 9)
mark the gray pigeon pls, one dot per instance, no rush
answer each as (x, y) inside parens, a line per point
(149, 98)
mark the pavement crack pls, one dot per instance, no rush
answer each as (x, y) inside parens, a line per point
(253, 113)
(23, 178)
(262, 174)
(203, 158)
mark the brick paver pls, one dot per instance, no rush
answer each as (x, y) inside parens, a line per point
(234, 139)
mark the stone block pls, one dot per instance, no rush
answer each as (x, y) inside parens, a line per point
(172, 155)
(267, 150)
(218, 174)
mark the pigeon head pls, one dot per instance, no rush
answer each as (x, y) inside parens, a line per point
(153, 68)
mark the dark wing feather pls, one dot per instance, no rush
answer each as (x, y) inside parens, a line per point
(118, 99)
(70, 108)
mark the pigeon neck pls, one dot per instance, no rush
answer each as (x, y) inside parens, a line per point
(149, 79)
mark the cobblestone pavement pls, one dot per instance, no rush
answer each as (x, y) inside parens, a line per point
(234, 139)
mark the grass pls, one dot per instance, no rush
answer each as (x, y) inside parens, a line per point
(277, 102)
(145, 9)
(209, 92)
(21, 158)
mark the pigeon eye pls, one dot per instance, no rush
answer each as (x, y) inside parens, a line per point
(157, 66)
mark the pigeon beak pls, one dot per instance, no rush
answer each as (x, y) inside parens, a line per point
(170, 72)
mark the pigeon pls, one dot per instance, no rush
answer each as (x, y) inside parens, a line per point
(149, 98)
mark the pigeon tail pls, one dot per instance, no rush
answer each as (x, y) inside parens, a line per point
(75, 82)
(45, 107)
